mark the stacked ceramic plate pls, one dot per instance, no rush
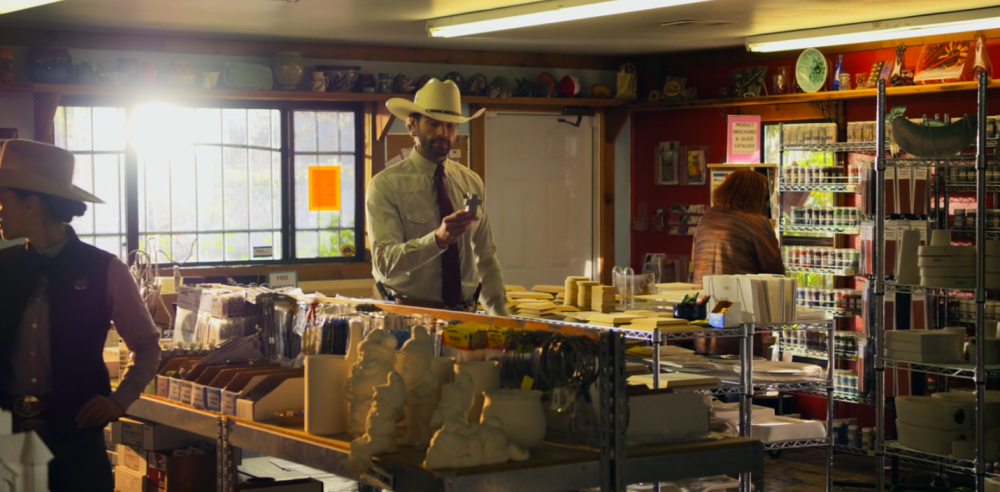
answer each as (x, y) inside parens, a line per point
(954, 267)
(766, 370)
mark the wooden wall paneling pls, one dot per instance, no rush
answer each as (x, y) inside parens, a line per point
(606, 198)
(313, 50)
(46, 104)
(374, 152)
(477, 143)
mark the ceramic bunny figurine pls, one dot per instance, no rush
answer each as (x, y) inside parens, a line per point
(421, 387)
(380, 430)
(376, 357)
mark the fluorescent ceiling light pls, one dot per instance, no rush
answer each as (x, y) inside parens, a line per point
(540, 13)
(8, 6)
(910, 27)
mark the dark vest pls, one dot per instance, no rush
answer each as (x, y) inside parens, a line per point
(79, 315)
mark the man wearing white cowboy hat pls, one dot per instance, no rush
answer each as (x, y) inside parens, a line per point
(58, 298)
(427, 249)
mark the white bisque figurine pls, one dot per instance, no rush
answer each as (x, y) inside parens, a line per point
(376, 357)
(459, 445)
(24, 459)
(421, 388)
(456, 398)
(380, 430)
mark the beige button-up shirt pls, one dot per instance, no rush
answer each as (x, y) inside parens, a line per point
(403, 214)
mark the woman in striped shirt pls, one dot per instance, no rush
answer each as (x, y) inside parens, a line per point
(734, 237)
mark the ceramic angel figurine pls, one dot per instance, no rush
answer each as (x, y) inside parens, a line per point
(982, 62)
(421, 388)
(380, 426)
(460, 445)
(456, 398)
(376, 357)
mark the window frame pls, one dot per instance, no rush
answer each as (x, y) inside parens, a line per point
(287, 138)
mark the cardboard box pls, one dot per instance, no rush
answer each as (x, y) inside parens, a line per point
(730, 319)
(187, 473)
(132, 458)
(248, 380)
(276, 392)
(149, 436)
(130, 481)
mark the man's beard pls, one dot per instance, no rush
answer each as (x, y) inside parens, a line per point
(434, 146)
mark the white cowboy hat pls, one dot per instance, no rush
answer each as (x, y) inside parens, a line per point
(438, 100)
(35, 166)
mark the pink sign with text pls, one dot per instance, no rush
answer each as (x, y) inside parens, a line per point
(743, 140)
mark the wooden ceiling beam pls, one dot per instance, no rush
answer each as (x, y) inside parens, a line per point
(311, 50)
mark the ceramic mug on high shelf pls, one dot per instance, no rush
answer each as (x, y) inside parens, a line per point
(319, 82)
(113, 79)
(209, 79)
(147, 75)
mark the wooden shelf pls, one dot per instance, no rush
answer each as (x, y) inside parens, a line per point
(277, 95)
(808, 98)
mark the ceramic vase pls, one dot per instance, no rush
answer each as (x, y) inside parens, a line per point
(130, 66)
(521, 413)
(289, 68)
(485, 377)
(49, 65)
(6, 66)
(179, 74)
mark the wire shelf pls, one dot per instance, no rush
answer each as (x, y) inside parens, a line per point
(935, 291)
(819, 229)
(962, 187)
(806, 443)
(992, 234)
(731, 386)
(905, 454)
(837, 272)
(841, 396)
(824, 187)
(801, 351)
(966, 371)
(833, 147)
(957, 161)
(853, 450)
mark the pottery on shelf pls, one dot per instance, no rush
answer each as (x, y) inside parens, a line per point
(179, 74)
(6, 66)
(485, 376)
(129, 66)
(521, 413)
(289, 68)
(49, 65)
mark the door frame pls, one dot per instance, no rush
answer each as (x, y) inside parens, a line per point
(600, 226)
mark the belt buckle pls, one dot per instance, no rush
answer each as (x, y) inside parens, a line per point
(27, 407)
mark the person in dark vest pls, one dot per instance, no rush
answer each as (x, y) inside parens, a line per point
(58, 299)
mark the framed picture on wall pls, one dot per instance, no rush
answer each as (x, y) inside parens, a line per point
(668, 160)
(695, 168)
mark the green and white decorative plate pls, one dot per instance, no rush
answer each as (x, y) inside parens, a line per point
(811, 70)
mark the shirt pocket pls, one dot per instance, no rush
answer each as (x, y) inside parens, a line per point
(419, 224)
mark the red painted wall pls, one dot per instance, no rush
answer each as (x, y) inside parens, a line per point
(707, 127)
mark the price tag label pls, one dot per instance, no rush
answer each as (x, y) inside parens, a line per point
(527, 383)
(377, 477)
(281, 279)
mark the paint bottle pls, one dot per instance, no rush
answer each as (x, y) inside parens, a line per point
(867, 435)
(854, 436)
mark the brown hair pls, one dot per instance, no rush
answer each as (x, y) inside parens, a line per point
(744, 190)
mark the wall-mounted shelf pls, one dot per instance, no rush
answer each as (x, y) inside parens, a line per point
(742, 166)
(807, 98)
(276, 95)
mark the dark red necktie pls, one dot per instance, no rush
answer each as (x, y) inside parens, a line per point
(451, 268)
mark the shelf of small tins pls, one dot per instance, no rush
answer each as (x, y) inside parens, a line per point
(864, 131)
(821, 258)
(835, 217)
(836, 300)
(818, 176)
(809, 134)
(847, 433)
(964, 219)
(846, 344)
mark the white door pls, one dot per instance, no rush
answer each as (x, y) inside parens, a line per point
(540, 177)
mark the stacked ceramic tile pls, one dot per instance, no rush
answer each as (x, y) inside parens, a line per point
(602, 298)
(664, 324)
(613, 320)
(954, 267)
(538, 309)
(571, 291)
(558, 291)
(584, 292)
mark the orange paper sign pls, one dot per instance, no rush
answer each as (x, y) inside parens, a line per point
(324, 188)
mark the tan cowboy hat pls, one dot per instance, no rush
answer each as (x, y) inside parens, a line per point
(439, 100)
(34, 166)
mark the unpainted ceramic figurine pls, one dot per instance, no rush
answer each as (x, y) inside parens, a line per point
(421, 387)
(460, 445)
(456, 398)
(380, 426)
(376, 357)
(24, 459)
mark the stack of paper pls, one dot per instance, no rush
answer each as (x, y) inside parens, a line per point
(542, 296)
(578, 316)
(514, 288)
(676, 286)
(764, 299)
(602, 298)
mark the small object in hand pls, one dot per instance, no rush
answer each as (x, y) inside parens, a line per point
(472, 203)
